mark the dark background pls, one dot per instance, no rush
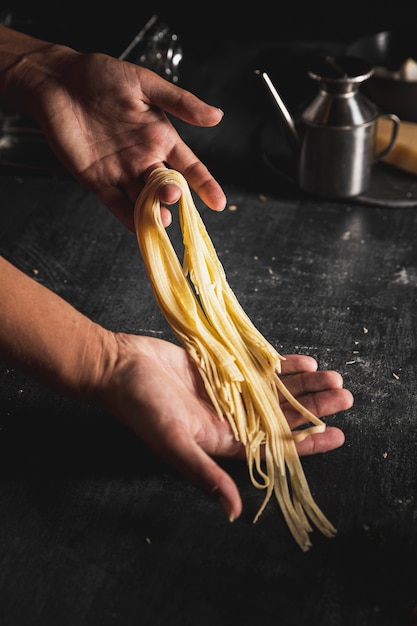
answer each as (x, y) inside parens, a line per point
(108, 27)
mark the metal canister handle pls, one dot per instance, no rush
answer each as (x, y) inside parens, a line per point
(395, 128)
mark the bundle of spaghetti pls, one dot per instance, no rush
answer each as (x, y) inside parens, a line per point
(240, 368)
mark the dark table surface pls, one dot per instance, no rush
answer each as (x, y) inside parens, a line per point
(96, 530)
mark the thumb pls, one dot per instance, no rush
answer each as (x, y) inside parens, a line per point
(183, 453)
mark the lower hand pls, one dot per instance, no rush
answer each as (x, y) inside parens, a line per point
(157, 391)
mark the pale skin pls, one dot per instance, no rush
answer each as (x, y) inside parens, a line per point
(106, 121)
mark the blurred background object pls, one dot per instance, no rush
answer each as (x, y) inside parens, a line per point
(157, 48)
(393, 54)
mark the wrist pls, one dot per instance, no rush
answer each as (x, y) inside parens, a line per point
(46, 338)
(27, 67)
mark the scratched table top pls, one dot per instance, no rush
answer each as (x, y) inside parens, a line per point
(94, 529)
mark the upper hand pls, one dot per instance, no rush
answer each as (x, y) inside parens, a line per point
(106, 120)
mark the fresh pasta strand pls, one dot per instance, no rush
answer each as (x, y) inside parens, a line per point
(239, 367)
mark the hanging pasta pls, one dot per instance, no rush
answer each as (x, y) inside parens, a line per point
(239, 367)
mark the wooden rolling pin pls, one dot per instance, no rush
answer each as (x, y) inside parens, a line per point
(404, 153)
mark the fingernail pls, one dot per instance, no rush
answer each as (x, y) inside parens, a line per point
(226, 508)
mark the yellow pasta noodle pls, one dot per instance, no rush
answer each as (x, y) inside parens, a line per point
(240, 368)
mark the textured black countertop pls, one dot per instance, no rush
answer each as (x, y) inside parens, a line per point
(94, 529)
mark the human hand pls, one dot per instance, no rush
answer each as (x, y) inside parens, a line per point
(156, 390)
(149, 384)
(107, 121)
